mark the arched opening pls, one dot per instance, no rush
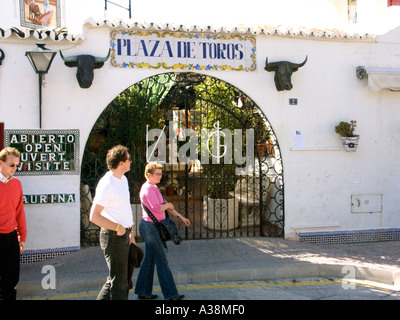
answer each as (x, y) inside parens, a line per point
(218, 186)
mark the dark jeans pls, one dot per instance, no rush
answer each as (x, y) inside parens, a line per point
(9, 265)
(154, 255)
(116, 251)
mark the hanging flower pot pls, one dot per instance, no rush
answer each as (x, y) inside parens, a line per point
(349, 139)
(350, 143)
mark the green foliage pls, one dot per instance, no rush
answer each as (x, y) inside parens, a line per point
(221, 180)
(218, 103)
(146, 103)
(346, 129)
(262, 133)
(124, 122)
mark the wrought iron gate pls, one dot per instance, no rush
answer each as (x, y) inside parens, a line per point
(218, 200)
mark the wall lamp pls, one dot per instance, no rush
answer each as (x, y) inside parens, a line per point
(2, 56)
(41, 59)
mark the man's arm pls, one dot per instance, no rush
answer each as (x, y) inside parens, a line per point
(103, 222)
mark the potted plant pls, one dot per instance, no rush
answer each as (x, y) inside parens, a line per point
(220, 207)
(263, 145)
(172, 186)
(346, 131)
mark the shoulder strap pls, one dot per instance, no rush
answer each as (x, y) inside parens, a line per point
(150, 214)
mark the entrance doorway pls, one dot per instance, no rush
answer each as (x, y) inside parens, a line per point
(221, 197)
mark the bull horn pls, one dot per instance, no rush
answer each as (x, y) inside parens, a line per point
(2, 56)
(102, 60)
(270, 66)
(299, 65)
(72, 59)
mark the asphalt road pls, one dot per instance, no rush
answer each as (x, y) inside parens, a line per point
(301, 289)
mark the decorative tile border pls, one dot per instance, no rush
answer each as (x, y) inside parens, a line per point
(182, 51)
(336, 237)
(30, 256)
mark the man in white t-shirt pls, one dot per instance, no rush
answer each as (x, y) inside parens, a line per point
(111, 210)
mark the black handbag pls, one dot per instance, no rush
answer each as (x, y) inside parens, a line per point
(166, 233)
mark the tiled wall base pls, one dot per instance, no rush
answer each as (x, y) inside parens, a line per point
(355, 236)
(29, 256)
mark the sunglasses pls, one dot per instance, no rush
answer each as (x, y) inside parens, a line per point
(10, 165)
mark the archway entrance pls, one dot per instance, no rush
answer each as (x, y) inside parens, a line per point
(222, 196)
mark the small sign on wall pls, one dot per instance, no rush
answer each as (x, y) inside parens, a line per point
(48, 198)
(45, 151)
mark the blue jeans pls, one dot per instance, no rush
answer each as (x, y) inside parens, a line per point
(116, 251)
(154, 254)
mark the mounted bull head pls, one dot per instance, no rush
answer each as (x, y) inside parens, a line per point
(85, 64)
(283, 73)
(2, 56)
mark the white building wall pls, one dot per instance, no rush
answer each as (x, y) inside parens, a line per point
(319, 180)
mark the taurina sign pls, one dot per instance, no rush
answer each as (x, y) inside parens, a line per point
(182, 51)
(45, 151)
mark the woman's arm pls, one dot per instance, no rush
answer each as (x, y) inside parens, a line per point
(172, 211)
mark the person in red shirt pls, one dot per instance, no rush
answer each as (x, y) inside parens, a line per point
(12, 223)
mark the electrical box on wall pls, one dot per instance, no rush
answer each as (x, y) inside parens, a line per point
(366, 203)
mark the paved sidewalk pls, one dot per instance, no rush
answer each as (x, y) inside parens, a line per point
(234, 259)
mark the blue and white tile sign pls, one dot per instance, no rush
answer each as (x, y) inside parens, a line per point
(182, 51)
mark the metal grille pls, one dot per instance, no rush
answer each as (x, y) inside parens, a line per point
(218, 201)
(118, 4)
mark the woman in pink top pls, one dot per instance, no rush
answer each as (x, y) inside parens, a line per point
(155, 254)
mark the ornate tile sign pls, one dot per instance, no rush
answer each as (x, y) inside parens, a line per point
(45, 151)
(48, 198)
(182, 51)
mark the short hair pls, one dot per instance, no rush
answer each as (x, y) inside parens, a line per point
(115, 155)
(7, 151)
(151, 168)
